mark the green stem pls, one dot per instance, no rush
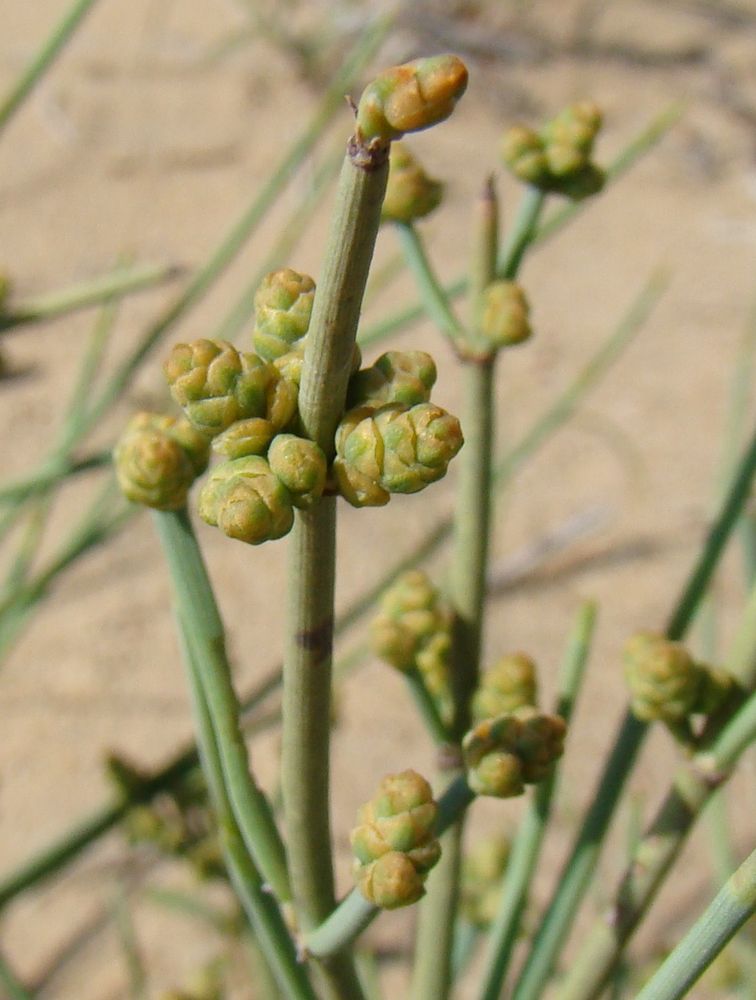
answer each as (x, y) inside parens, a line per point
(50, 859)
(434, 298)
(198, 611)
(526, 849)
(721, 920)
(44, 59)
(120, 282)
(432, 970)
(522, 234)
(259, 905)
(634, 151)
(693, 785)
(580, 866)
(8, 979)
(312, 553)
(426, 705)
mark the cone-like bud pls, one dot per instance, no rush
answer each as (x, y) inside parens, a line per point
(216, 385)
(283, 306)
(157, 458)
(247, 501)
(558, 158)
(434, 663)
(410, 97)
(482, 871)
(411, 194)
(509, 684)
(394, 844)
(523, 151)
(393, 450)
(245, 437)
(504, 314)
(411, 613)
(301, 466)
(503, 754)
(665, 682)
(405, 377)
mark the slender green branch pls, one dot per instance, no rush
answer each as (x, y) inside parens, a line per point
(434, 298)
(8, 979)
(526, 849)
(312, 553)
(659, 848)
(721, 920)
(120, 282)
(44, 59)
(523, 233)
(579, 868)
(199, 614)
(426, 705)
(259, 904)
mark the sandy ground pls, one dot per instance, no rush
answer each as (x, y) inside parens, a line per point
(147, 140)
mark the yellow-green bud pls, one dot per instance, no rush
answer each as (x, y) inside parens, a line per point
(247, 501)
(503, 754)
(217, 385)
(411, 613)
(398, 820)
(283, 306)
(664, 681)
(157, 458)
(245, 437)
(410, 97)
(433, 660)
(301, 466)
(509, 684)
(393, 450)
(482, 870)
(523, 152)
(576, 126)
(410, 194)
(589, 180)
(504, 314)
(404, 377)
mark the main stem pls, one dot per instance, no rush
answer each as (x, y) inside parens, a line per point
(311, 571)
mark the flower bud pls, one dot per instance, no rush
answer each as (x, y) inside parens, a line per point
(245, 437)
(157, 458)
(504, 314)
(405, 377)
(509, 684)
(504, 753)
(664, 681)
(247, 501)
(482, 871)
(410, 97)
(301, 466)
(410, 194)
(398, 820)
(393, 450)
(283, 306)
(411, 614)
(524, 154)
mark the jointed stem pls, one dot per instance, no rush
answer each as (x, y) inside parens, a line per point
(581, 863)
(527, 846)
(204, 629)
(731, 908)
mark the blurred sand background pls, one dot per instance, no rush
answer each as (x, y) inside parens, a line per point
(152, 132)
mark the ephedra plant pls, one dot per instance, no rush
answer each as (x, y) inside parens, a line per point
(300, 424)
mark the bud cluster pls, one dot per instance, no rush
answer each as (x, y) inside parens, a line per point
(504, 754)
(558, 157)
(393, 844)
(393, 439)
(667, 684)
(412, 630)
